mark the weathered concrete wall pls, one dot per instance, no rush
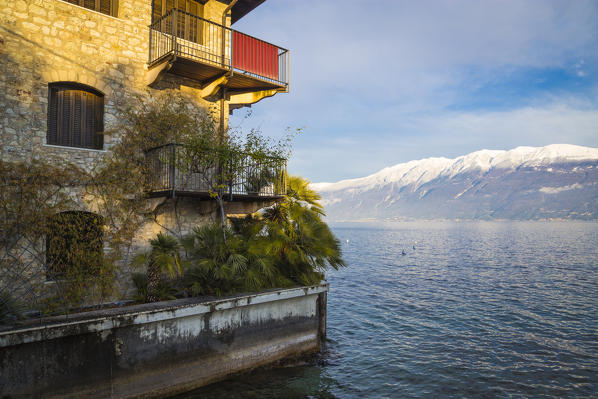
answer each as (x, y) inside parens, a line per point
(154, 350)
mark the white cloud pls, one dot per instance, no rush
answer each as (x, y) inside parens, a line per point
(377, 83)
(556, 190)
(377, 44)
(448, 134)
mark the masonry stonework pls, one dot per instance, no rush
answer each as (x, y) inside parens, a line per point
(48, 41)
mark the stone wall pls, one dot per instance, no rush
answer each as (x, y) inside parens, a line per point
(156, 350)
(46, 41)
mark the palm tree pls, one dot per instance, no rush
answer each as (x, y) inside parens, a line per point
(289, 244)
(298, 189)
(217, 260)
(239, 263)
(303, 244)
(163, 258)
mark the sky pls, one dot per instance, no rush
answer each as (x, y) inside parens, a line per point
(376, 83)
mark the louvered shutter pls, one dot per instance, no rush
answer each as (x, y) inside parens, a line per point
(193, 22)
(98, 141)
(181, 18)
(60, 122)
(65, 118)
(86, 118)
(95, 116)
(157, 10)
(106, 7)
(89, 4)
(169, 6)
(51, 136)
(77, 118)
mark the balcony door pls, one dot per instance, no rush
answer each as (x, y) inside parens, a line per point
(189, 22)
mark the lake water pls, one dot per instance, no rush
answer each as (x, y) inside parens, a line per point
(484, 309)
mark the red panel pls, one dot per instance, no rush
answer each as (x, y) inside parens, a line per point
(254, 56)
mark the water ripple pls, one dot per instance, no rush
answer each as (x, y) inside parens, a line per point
(489, 309)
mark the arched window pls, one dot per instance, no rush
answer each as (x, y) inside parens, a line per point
(109, 7)
(74, 244)
(75, 116)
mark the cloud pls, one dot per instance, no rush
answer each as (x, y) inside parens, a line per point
(449, 134)
(375, 44)
(377, 83)
(556, 190)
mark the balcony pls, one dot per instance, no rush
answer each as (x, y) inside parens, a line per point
(176, 170)
(202, 50)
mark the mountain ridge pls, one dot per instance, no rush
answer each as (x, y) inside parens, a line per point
(522, 183)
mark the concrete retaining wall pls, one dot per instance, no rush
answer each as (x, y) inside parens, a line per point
(153, 350)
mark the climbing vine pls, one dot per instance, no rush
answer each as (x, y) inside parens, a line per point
(65, 231)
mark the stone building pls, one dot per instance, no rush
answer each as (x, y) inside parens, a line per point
(68, 66)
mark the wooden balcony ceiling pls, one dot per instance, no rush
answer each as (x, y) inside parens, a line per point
(241, 82)
(195, 70)
(242, 8)
(204, 72)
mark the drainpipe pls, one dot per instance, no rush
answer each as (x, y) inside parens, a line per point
(222, 99)
(224, 14)
(223, 91)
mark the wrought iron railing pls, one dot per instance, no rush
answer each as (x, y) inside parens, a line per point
(189, 36)
(175, 169)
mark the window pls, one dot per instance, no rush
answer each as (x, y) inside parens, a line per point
(74, 244)
(109, 7)
(75, 116)
(189, 27)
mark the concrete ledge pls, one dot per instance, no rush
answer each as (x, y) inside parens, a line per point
(153, 350)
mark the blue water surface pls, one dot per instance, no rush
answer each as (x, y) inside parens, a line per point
(473, 309)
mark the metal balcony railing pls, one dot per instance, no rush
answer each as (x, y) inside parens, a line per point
(177, 170)
(189, 36)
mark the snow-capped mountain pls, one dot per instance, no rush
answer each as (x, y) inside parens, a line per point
(556, 181)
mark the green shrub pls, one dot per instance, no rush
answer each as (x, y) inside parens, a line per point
(220, 267)
(165, 291)
(163, 259)
(288, 244)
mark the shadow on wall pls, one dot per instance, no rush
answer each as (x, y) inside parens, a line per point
(28, 68)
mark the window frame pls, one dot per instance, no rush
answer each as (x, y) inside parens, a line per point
(97, 6)
(93, 110)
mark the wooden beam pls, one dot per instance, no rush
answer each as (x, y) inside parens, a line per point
(252, 97)
(212, 88)
(156, 73)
